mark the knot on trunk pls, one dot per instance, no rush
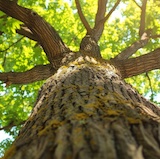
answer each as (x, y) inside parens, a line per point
(89, 45)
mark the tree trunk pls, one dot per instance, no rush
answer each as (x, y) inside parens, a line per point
(85, 111)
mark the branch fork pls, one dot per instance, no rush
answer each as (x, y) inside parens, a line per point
(55, 48)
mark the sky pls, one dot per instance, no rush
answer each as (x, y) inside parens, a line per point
(3, 136)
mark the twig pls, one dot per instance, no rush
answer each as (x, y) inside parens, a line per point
(12, 45)
(137, 4)
(4, 59)
(82, 17)
(150, 85)
(111, 11)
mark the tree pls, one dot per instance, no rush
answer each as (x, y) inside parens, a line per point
(85, 109)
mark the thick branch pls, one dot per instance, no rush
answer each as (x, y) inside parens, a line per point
(139, 65)
(44, 33)
(82, 17)
(142, 20)
(37, 73)
(129, 51)
(99, 26)
(101, 10)
(89, 45)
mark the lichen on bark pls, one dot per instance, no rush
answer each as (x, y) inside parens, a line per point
(86, 111)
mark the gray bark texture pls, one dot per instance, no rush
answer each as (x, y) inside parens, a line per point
(86, 111)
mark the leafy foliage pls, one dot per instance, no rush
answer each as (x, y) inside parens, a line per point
(4, 146)
(20, 54)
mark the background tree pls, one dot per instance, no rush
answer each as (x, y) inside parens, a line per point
(126, 42)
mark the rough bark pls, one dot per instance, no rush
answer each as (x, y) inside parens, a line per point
(89, 45)
(85, 111)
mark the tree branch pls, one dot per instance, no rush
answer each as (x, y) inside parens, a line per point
(142, 19)
(129, 51)
(155, 36)
(111, 11)
(37, 73)
(99, 25)
(150, 85)
(45, 34)
(12, 124)
(135, 66)
(101, 10)
(137, 4)
(4, 59)
(25, 31)
(12, 45)
(82, 17)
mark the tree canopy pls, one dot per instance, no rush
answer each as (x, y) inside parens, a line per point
(126, 23)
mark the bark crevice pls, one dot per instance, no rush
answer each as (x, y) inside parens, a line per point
(79, 115)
